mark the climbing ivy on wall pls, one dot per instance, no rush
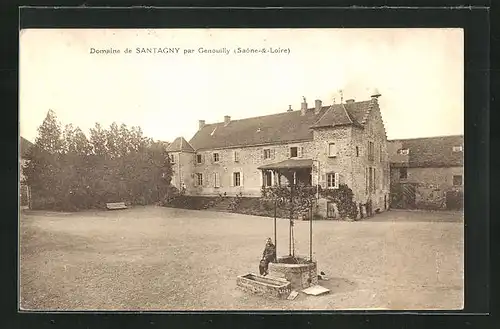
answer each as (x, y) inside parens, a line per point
(343, 197)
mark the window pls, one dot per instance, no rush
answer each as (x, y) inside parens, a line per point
(172, 158)
(236, 179)
(199, 158)
(403, 173)
(404, 151)
(332, 150)
(199, 179)
(268, 178)
(370, 179)
(371, 150)
(267, 153)
(332, 180)
(216, 157)
(357, 151)
(457, 180)
(458, 148)
(216, 180)
(296, 152)
(236, 156)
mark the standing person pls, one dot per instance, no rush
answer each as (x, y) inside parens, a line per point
(269, 255)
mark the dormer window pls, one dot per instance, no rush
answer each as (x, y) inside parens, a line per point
(404, 151)
(458, 148)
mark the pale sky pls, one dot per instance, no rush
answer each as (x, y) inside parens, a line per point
(419, 73)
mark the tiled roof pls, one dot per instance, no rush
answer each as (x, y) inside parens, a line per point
(289, 164)
(283, 127)
(433, 151)
(344, 114)
(180, 145)
(24, 147)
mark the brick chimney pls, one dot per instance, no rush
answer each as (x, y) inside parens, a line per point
(303, 106)
(201, 124)
(317, 106)
(350, 101)
(227, 119)
(289, 108)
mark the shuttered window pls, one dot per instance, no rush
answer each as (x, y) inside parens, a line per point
(199, 179)
(332, 180)
(237, 181)
(332, 150)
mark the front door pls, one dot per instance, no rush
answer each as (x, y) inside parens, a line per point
(330, 210)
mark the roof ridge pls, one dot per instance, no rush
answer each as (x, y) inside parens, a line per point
(268, 115)
(429, 137)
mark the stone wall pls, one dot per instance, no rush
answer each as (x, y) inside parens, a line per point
(431, 184)
(249, 159)
(182, 170)
(374, 132)
(341, 163)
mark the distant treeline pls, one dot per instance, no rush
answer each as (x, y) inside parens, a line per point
(68, 171)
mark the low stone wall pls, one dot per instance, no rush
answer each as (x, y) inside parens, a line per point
(264, 286)
(301, 275)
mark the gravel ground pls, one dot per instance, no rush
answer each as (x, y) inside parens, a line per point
(153, 258)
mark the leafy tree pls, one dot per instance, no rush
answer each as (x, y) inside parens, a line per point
(71, 171)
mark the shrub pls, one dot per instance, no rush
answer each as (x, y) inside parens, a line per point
(343, 197)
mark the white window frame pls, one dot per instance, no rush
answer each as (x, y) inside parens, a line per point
(199, 178)
(335, 183)
(265, 175)
(300, 151)
(216, 179)
(335, 150)
(216, 155)
(239, 175)
(371, 150)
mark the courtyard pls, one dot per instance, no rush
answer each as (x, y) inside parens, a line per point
(156, 258)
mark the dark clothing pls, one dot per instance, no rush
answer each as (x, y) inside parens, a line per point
(268, 256)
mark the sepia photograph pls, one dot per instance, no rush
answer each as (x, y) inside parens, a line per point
(241, 169)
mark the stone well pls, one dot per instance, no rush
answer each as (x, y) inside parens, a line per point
(299, 271)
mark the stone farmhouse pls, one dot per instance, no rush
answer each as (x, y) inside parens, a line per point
(427, 169)
(329, 145)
